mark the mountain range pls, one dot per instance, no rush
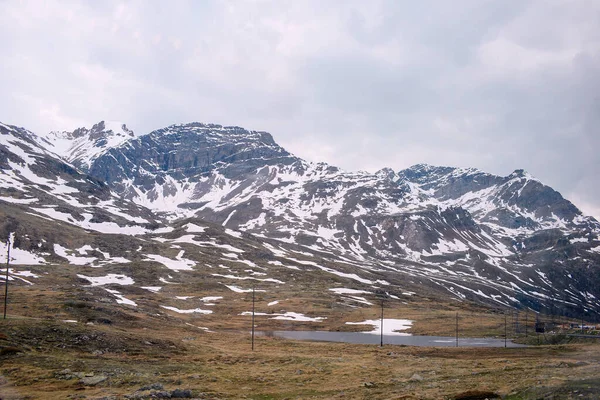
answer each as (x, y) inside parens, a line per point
(223, 204)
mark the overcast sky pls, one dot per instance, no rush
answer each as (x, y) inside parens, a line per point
(497, 85)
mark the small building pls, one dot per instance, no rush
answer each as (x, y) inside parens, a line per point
(540, 327)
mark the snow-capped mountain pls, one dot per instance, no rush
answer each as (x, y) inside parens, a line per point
(32, 175)
(83, 145)
(506, 241)
(172, 167)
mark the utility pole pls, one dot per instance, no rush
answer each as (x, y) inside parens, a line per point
(505, 330)
(457, 329)
(381, 335)
(6, 282)
(526, 323)
(253, 318)
(538, 326)
(584, 302)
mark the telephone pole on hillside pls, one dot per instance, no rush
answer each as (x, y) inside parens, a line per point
(253, 303)
(6, 282)
(381, 327)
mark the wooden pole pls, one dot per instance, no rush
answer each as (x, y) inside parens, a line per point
(505, 330)
(253, 302)
(381, 334)
(6, 282)
(457, 329)
(526, 323)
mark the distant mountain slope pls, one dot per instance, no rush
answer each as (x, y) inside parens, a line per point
(49, 187)
(506, 241)
(515, 201)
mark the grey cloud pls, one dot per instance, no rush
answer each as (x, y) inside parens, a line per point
(490, 84)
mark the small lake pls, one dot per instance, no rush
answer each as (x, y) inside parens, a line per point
(370, 338)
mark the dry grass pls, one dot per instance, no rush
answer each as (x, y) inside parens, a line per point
(222, 366)
(139, 348)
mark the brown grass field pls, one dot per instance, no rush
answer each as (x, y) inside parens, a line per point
(44, 357)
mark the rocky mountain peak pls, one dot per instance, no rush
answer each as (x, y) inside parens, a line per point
(421, 173)
(214, 133)
(109, 128)
(177, 160)
(520, 173)
(81, 146)
(102, 129)
(196, 143)
(386, 173)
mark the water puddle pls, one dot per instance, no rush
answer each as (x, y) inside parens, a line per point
(406, 339)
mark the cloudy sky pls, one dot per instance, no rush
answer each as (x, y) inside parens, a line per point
(492, 84)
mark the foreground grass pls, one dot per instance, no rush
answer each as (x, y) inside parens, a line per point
(112, 351)
(45, 359)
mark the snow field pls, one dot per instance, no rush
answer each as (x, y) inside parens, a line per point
(107, 279)
(178, 264)
(189, 311)
(19, 256)
(390, 326)
(288, 316)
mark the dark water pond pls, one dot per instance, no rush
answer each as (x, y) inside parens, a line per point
(369, 338)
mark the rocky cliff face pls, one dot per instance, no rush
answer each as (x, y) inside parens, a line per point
(178, 159)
